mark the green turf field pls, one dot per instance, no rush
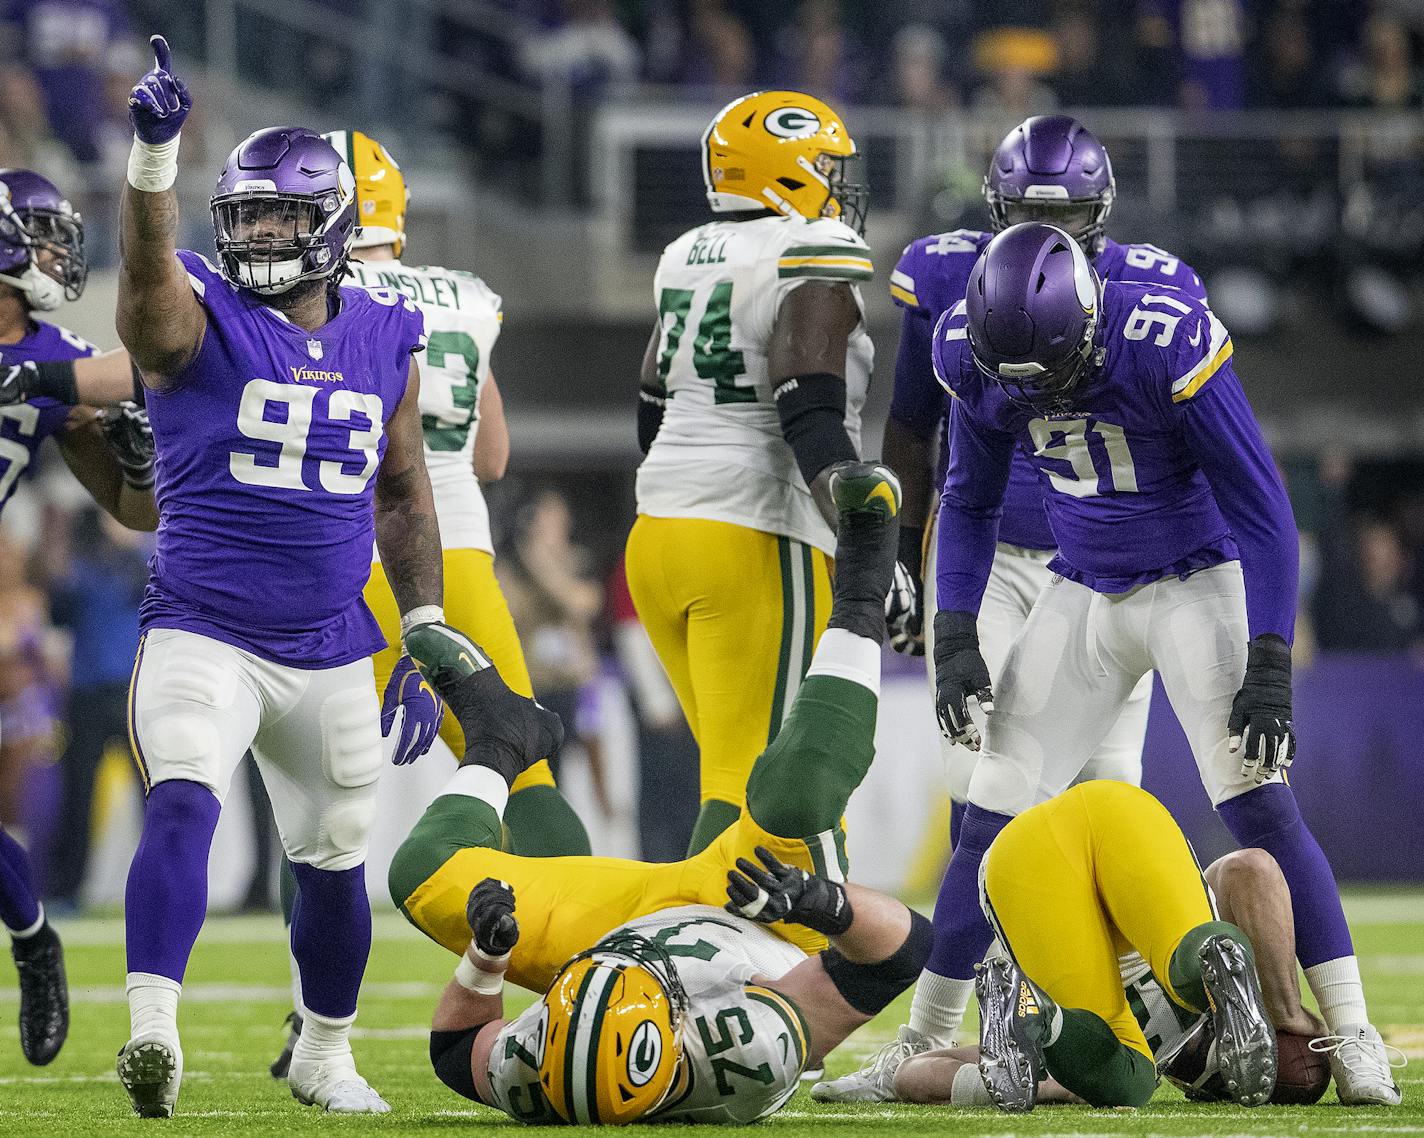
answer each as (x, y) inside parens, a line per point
(236, 997)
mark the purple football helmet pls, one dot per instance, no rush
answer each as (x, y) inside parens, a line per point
(41, 240)
(1032, 306)
(1051, 168)
(284, 210)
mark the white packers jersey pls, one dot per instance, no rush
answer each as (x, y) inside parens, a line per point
(744, 1045)
(462, 319)
(720, 454)
(1165, 1023)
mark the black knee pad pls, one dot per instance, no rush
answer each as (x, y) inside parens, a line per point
(871, 988)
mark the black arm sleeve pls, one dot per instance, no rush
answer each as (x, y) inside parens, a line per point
(650, 416)
(871, 988)
(55, 378)
(812, 410)
(451, 1054)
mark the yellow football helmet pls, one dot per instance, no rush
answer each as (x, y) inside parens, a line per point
(612, 1038)
(381, 194)
(784, 151)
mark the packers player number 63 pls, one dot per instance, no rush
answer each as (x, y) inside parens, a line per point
(752, 386)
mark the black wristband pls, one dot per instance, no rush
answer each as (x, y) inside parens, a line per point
(451, 1054)
(812, 412)
(911, 550)
(650, 416)
(1269, 653)
(953, 632)
(54, 379)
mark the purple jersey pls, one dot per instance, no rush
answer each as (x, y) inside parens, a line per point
(23, 426)
(930, 278)
(267, 454)
(1160, 470)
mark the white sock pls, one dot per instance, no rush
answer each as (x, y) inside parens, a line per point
(324, 1039)
(843, 654)
(25, 934)
(153, 1005)
(938, 1005)
(296, 982)
(1337, 989)
(482, 783)
(968, 1089)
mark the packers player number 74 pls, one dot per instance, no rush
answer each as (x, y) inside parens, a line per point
(751, 388)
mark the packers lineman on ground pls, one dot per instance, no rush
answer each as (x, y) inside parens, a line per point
(466, 442)
(752, 386)
(657, 1001)
(1073, 885)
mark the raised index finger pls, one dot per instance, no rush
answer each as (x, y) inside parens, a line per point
(162, 54)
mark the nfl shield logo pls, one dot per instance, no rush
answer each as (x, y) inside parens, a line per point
(314, 349)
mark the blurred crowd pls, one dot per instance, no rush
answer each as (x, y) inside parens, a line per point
(1025, 56)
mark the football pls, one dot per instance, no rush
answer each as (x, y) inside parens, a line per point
(1303, 1074)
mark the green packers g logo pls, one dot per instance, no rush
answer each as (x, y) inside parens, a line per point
(645, 1052)
(792, 122)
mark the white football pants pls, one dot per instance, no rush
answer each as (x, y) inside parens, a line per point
(1077, 663)
(1016, 581)
(197, 705)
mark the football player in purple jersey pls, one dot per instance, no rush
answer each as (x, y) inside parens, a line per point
(41, 266)
(1177, 553)
(286, 419)
(1048, 168)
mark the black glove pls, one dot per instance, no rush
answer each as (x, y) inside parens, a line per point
(960, 672)
(126, 430)
(905, 604)
(490, 912)
(1260, 722)
(786, 893)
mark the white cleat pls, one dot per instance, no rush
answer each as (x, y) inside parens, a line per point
(151, 1070)
(875, 1081)
(1361, 1063)
(335, 1086)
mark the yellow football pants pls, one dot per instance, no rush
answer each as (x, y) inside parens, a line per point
(475, 604)
(734, 615)
(567, 904)
(1075, 882)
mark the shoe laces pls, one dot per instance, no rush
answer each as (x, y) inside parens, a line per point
(891, 1055)
(1360, 1055)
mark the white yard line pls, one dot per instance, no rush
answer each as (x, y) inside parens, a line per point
(236, 993)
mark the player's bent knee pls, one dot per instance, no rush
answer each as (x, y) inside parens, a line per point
(871, 988)
(339, 840)
(181, 745)
(1248, 869)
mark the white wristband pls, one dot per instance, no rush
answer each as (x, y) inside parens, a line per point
(477, 980)
(153, 166)
(422, 614)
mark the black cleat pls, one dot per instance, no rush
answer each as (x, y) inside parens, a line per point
(1245, 1040)
(44, 995)
(1011, 1058)
(282, 1064)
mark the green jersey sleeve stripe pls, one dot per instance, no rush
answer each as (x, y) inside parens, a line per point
(827, 251)
(826, 272)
